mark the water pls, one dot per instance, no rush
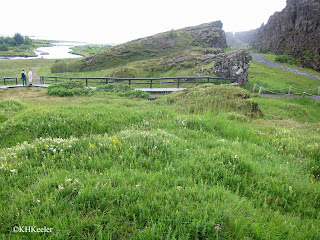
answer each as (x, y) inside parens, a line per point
(55, 51)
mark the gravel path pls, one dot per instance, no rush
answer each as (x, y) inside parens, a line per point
(261, 59)
(35, 78)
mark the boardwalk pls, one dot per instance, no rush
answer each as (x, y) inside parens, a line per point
(151, 90)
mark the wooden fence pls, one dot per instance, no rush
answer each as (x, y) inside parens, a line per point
(142, 81)
(7, 80)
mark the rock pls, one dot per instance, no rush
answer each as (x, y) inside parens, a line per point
(234, 64)
(294, 31)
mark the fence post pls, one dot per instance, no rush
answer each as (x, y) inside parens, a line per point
(56, 79)
(290, 89)
(260, 90)
(129, 82)
(151, 83)
(4, 81)
(304, 93)
(178, 82)
(254, 87)
(86, 82)
(16, 81)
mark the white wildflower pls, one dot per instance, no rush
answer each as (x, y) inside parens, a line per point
(14, 170)
(68, 180)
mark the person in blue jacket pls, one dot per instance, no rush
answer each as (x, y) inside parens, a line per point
(24, 78)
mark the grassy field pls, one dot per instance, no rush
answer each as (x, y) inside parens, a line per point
(205, 163)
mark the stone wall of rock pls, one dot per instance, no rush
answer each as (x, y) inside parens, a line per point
(295, 31)
(233, 64)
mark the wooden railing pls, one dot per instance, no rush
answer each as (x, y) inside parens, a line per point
(145, 81)
(7, 80)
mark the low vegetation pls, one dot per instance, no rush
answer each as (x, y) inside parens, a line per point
(212, 162)
(90, 50)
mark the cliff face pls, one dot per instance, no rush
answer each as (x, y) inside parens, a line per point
(208, 35)
(295, 30)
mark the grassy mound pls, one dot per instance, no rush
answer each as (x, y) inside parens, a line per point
(215, 98)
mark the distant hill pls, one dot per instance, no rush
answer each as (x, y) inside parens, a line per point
(208, 35)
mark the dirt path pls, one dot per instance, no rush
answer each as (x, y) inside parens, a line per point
(261, 59)
(36, 78)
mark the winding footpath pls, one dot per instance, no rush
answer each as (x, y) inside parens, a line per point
(261, 59)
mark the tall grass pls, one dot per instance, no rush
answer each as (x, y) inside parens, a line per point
(198, 167)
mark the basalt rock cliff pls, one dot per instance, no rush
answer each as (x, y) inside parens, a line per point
(294, 31)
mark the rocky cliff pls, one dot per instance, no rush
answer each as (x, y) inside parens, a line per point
(294, 31)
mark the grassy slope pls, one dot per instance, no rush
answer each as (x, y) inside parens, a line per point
(130, 168)
(271, 78)
(272, 57)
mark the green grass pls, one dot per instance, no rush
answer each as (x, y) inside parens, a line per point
(272, 78)
(273, 57)
(90, 50)
(198, 164)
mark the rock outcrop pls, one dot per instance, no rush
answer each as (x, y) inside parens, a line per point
(234, 64)
(294, 31)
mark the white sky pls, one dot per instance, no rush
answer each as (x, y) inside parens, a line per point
(118, 21)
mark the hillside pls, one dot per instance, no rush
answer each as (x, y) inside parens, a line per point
(208, 35)
(195, 50)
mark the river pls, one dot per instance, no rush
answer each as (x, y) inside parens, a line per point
(55, 51)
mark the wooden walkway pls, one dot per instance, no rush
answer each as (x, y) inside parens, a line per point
(20, 85)
(151, 90)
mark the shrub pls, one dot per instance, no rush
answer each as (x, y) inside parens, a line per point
(115, 87)
(68, 88)
(285, 59)
(59, 67)
(4, 47)
(135, 94)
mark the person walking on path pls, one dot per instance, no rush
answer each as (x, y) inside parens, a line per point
(30, 77)
(24, 78)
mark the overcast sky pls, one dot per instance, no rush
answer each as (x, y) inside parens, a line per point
(118, 21)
